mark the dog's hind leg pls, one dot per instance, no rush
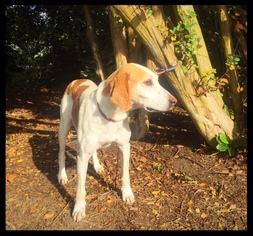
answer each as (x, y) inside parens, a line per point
(97, 166)
(64, 128)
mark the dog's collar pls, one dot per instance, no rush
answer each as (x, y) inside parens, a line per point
(103, 114)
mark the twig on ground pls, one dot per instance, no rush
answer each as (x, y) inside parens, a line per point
(176, 153)
(61, 211)
(213, 167)
(72, 179)
(227, 173)
(193, 161)
(181, 207)
(220, 188)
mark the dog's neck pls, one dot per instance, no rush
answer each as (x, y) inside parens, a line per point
(103, 114)
(107, 109)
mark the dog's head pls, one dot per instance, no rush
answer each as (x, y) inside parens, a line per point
(134, 86)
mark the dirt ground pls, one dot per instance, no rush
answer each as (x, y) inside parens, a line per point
(178, 182)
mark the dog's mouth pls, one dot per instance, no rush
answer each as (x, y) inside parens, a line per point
(149, 109)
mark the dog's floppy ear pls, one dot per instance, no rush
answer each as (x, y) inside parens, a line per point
(117, 87)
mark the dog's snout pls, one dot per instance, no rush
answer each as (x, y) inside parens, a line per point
(172, 100)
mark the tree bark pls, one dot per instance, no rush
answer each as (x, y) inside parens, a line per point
(229, 50)
(209, 118)
(91, 34)
(118, 33)
(202, 57)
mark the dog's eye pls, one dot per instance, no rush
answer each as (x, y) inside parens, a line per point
(148, 82)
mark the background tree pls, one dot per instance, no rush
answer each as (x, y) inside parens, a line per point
(93, 42)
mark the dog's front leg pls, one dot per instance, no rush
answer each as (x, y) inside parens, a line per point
(82, 166)
(127, 193)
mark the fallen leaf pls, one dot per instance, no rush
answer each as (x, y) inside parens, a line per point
(225, 80)
(190, 202)
(164, 194)
(216, 204)
(190, 210)
(103, 209)
(231, 67)
(88, 197)
(10, 178)
(202, 185)
(213, 191)
(232, 207)
(146, 173)
(203, 215)
(111, 199)
(224, 210)
(155, 164)
(240, 26)
(180, 146)
(235, 227)
(48, 216)
(156, 192)
(155, 212)
(143, 159)
(197, 210)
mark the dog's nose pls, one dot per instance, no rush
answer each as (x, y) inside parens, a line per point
(172, 100)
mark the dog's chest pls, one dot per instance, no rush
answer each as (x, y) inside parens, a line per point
(112, 133)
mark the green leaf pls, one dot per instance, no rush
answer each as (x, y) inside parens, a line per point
(221, 148)
(231, 151)
(224, 138)
(239, 142)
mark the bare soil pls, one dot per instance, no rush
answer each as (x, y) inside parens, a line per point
(179, 183)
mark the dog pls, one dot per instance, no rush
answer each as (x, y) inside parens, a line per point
(99, 114)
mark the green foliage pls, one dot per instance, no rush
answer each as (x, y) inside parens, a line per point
(45, 43)
(185, 39)
(232, 61)
(149, 10)
(158, 167)
(225, 144)
(229, 111)
(7, 140)
(187, 175)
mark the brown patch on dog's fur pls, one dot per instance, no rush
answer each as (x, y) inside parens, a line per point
(76, 88)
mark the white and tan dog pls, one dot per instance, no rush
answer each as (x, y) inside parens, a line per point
(99, 114)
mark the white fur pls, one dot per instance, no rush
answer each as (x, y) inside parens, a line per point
(95, 131)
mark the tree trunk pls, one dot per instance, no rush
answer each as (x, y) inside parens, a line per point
(202, 57)
(210, 119)
(118, 34)
(229, 50)
(91, 34)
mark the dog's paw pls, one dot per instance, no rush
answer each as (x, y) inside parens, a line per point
(79, 212)
(98, 168)
(128, 196)
(62, 179)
